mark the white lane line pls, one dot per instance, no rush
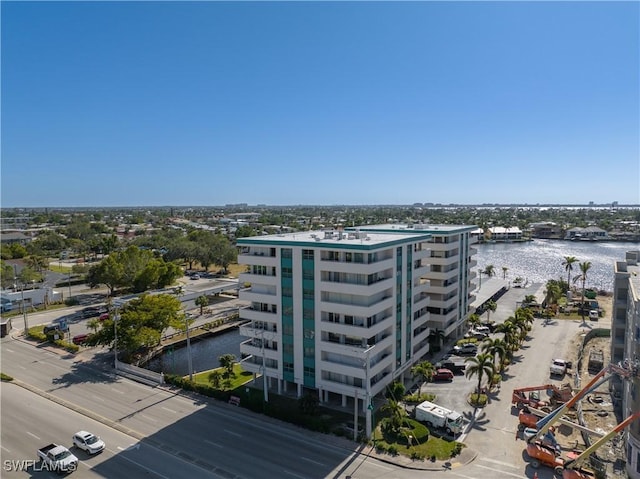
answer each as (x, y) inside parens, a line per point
(139, 465)
(170, 410)
(506, 464)
(21, 367)
(233, 433)
(10, 350)
(502, 473)
(214, 443)
(311, 461)
(5, 449)
(117, 391)
(293, 474)
(33, 435)
(147, 418)
(97, 397)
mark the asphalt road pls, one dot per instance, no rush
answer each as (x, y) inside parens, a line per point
(161, 432)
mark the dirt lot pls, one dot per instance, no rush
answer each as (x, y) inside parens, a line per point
(597, 407)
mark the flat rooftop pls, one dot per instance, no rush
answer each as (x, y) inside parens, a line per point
(338, 238)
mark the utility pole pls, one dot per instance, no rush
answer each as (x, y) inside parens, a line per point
(115, 341)
(189, 361)
(24, 312)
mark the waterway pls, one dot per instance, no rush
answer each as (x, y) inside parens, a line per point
(536, 261)
(541, 260)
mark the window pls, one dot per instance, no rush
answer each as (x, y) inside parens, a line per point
(287, 273)
(307, 254)
(307, 293)
(307, 274)
(287, 348)
(288, 367)
(308, 313)
(309, 372)
(286, 253)
(309, 352)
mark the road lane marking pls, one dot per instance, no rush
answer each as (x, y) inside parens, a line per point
(519, 476)
(293, 474)
(10, 350)
(214, 443)
(148, 418)
(170, 410)
(233, 433)
(141, 465)
(117, 391)
(98, 397)
(499, 462)
(312, 461)
(5, 449)
(33, 435)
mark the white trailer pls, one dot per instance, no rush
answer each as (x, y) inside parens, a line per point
(437, 416)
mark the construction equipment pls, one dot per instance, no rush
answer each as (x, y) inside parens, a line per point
(572, 468)
(626, 370)
(557, 396)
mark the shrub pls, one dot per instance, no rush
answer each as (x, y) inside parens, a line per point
(5, 377)
(71, 301)
(37, 334)
(393, 450)
(72, 348)
(417, 455)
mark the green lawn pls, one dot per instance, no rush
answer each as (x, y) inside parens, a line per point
(240, 377)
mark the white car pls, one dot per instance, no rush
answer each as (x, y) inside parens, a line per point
(90, 443)
(594, 314)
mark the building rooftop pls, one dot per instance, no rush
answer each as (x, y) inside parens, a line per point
(340, 238)
(419, 227)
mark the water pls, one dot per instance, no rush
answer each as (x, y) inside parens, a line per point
(537, 261)
(204, 354)
(541, 260)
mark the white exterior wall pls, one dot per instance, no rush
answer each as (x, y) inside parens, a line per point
(344, 362)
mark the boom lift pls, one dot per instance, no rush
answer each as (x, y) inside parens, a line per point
(572, 468)
(546, 422)
(557, 395)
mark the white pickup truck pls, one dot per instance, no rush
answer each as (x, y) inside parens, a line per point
(559, 367)
(57, 458)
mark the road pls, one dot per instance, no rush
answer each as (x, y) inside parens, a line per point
(157, 426)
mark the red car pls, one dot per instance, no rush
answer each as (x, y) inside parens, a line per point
(103, 316)
(443, 375)
(80, 339)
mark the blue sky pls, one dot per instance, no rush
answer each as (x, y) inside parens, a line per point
(282, 103)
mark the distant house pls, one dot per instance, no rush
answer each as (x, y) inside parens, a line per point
(500, 234)
(590, 233)
(545, 230)
(15, 237)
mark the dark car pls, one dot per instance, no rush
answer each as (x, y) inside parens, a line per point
(80, 339)
(90, 312)
(442, 374)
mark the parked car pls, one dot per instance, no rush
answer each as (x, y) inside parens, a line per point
(594, 314)
(467, 349)
(442, 374)
(103, 316)
(80, 339)
(89, 443)
(195, 276)
(91, 312)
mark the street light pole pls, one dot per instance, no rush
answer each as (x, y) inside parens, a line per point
(115, 341)
(24, 313)
(190, 363)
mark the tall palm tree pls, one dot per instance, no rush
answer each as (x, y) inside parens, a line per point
(497, 348)
(553, 292)
(510, 331)
(423, 370)
(568, 266)
(474, 320)
(491, 307)
(585, 266)
(504, 272)
(480, 365)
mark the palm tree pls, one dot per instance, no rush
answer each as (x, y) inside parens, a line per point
(423, 370)
(474, 320)
(584, 267)
(491, 307)
(437, 335)
(498, 349)
(568, 266)
(480, 365)
(490, 270)
(504, 272)
(553, 292)
(396, 413)
(510, 331)
(202, 301)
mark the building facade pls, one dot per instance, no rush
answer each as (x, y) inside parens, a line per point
(340, 313)
(625, 348)
(452, 279)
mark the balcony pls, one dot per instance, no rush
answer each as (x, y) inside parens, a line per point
(358, 289)
(258, 279)
(249, 330)
(251, 296)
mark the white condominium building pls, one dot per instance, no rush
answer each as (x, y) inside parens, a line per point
(451, 274)
(342, 313)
